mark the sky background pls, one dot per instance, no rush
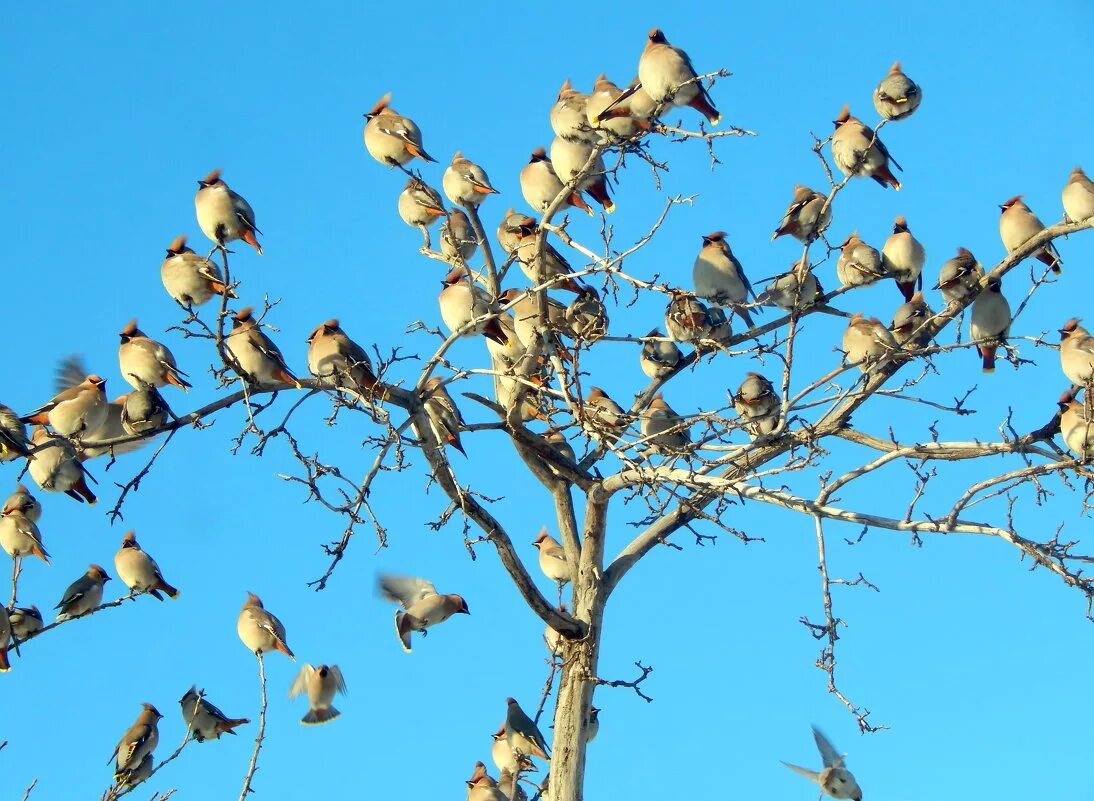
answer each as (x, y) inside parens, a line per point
(981, 668)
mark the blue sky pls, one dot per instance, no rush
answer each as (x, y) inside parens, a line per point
(980, 667)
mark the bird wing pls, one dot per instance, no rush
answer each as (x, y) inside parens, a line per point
(300, 683)
(70, 372)
(831, 757)
(339, 681)
(75, 591)
(812, 775)
(405, 590)
(243, 210)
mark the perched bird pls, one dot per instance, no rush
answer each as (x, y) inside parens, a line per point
(557, 440)
(903, 256)
(513, 227)
(13, 436)
(138, 742)
(659, 356)
(551, 638)
(1077, 426)
(866, 341)
(55, 467)
(24, 503)
(525, 308)
(465, 182)
(419, 204)
(668, 77)
(462, 301)
(139, 571)
(554, 263)
(70, 373)
(444, 416)
(587, 316)
(458, 239)
(337, 361)
(569, 116)
(482, 787)
(796, 289)
(959, 278)
(257, 359)
(592, 724)
(663, 430)
(897, 96)
(569, 159)
(1078, 196)
(857, 150)
(74, 412)
(758, 405)
(603, 411)
(719, 277)
(205, 721)
(806, 217)
(718, 324)
(223, 215)
(143, 410)
(138, 774)
(147, 363)
(1018, 225)
(552, 558)
(320, 683)
(619, 122)
(990, 324)
(189, 278)
(506, 357)
(26, 621)
(834, 779)
(19, 536)
(84, 594)
(522, 734)
(858, 264)
(259, 630)
(1076, 354)
(686, 317)
(509, 787)
(504, 756)
(908, 319)
(422, 606)
(5, 639)
(540, 185)
(390, 138)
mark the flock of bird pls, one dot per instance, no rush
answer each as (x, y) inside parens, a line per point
(79, 423)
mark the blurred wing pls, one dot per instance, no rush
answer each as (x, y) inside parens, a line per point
(70, 371)
(339, 681)
(812, 775)
(406, 590)
(300, 683)
(831, 757)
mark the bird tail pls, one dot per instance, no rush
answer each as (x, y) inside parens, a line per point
(578, 201)
(492, 330)
(225, 726)
(249, 237)
(1050, 257)
(81, 492)
(885, 177)
(284, 374)
(907, 289)
(316, 717)
(404, 625)
(5, 663)
(988, 354)
(702, 103)
(418, 152)
(599, 191)
(172, 592)
(280, 645)
(40, 552)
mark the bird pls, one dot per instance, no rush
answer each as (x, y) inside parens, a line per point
(24, 503)
(990, 324)
(1018, 224)
(444, 416)
(26, 621)
(1078, 196)
(858, 264)
(959, 278)
(866, 341)
(663, 430)
(897, 96)
(139, 571)
(1077, 425)
(260, 630)
(857, 150)
(796, 289)
(422, 606)
(19, 536)
(143, 410)
(458, 239)
(834, 779)
(587, 316)
(667, 75)
(204, 720)
(686, 317)
(522, 734)
(145, 362)
(808, 214)
(134, 776)
(555, 265)
(908, 319)
(139, 741)
(592, 724)
(390, 138)
(224, 215)
(618, 122)
(509, 787)
(1076, 354)
(659, 356)
(513, 227)
(190, 279)
(84, 594)
(482, 787)
(719, 277)
(257, 359)
(552, 558)
(540, 185)
(337, 361)
(419, 205)
(462, 301)
(569, 158)
(5, 639)
(758, 405)
(13, 436)
(557, 441)
(320, 683)
(466, 183)
(101, 440)
(569, 116)
(525, 309)
(503, 755)
(55, 467)
(74, 412)
(903, 256)
(603, 411)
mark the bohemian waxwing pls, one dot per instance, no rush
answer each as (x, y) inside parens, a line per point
(13, 435)
(592, 724)
(145, 362)
(659, 356)
(522, 397)
(798, 288)
(642, 107)
(189, 278)
(22, 502)
(5, 639)
(758, 405)
(603, 411)
(462, 301)
(465, 182)
(259, 630)
(857, 150)
(390, 138)
(803, 219)
(142, 411)
(834, 779)
(55, 467)
(959, 278)
(569, 116)
(619, 122)
(686, 317)
(1018, 225)
(512, 352)
(70, 373)
(540, 184)
(990, 324)
(552, 558)
(858, 264)
(663, 430)
(482, 787)
(719, 277)
(903, 256)
(554, 263)
(512, 228)
(1078, 196)
(505, 758)
(866, 341)
(897, 96)
(84, 594)
(720, 329)
(557, 440)
(1076, 353)
(19, 537)
(139, 741)
(458, 239)
(320, 683)
(569, 159)
(1077, 425)
(205, 721)
(526, 318)
(74, 412)
(422, 606)
(26, 621)
(510, 788)
(522, 734)
(337, 361)
(223, 215)
(668, 76)
(255, 354)
(587, 316)
(139, 571)
(444, 416)
(419, 204)
(141, 773)
(908, 319)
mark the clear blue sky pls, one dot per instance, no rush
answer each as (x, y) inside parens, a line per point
(114, 111)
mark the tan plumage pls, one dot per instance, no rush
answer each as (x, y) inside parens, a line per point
(320, 683)
(858, 264)
(419, 204)
(139, 571)
(758, 405)
(223, 214)
(138, 742)
(1076, 353)
(189, 278)
(55, 467)
(337, 361)
(206, 722)
(667, 75)
(390, 138)
(897, 96)
(552, 558)
(1078, 196)
(1077, 426)
(466, 183)
(866, 341)
(959, 278)
(908, 319)
(990, 323)
(462, 301)
(74, 412)
(458, 239)
(260, 630)
(569, 159)
(444, 416)
(145, 362)
(804, 219)
(257, 359)
(422, 606)
(903, 256)
(659, 356)
(1018, 224)
(857, 150)
(540, 184)
(84, 594)
(663, 430)
(834, 779)
(19, 536)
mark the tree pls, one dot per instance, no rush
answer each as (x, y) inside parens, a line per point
(699, 487)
